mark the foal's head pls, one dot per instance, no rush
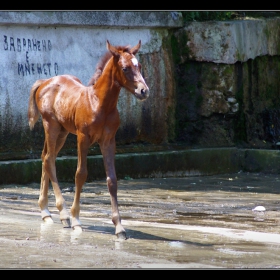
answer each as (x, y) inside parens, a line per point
(129, 69)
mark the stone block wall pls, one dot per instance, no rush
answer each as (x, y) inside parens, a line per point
(227, 77)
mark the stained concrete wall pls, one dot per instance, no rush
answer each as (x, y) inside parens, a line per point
(209, 81)
(221, 66)
(37, 45)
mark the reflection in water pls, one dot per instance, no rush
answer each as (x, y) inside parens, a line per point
(63, 235)
(176, 244)
(259, 216)
(49, 232)
(46, 232)
(75, 235)
(119, 244)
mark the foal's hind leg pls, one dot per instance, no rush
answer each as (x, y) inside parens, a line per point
(55, 137)
(43, 198)
(64, 215)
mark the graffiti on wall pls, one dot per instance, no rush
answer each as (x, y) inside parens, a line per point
(31, 45)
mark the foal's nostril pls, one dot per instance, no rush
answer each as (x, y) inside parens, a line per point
(143, 91)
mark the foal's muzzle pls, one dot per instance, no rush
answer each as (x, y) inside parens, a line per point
(141, 92)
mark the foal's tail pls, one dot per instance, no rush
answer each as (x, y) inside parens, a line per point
(33, 112)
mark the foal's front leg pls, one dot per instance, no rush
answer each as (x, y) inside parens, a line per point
(108, 152)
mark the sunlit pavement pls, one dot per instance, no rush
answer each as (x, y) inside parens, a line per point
(200, 222)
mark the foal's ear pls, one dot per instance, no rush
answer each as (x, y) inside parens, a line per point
(136, 48)
(112, 49)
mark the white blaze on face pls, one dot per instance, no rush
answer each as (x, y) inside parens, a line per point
(134, 61)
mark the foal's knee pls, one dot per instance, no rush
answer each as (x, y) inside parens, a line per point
(81, 174)
(43, 155)
(47, 161)
(112, 183)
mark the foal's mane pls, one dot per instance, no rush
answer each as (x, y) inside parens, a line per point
(102, 62)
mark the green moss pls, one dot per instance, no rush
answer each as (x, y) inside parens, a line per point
(175, 49)
(180, 48)
(239, 56)
(171, 126)
(225, 15)
(228, 70)
(240, 120)
(210, 75)
(199, 101)
(207, 15)
(189, 99)
(266, 71)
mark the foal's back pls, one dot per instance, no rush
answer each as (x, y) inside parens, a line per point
(67, 86)
(59, 98)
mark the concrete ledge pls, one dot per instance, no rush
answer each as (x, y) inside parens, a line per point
(265, 161)
(98, 19)
(189, 162)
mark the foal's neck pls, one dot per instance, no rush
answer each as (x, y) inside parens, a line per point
(107, 87)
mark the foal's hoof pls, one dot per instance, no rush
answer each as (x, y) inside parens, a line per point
(48, 220)
(66, 223)
(77, 228)
(121, 235)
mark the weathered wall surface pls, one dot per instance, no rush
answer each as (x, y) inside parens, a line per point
(37, 45)
(228, 83)
(213, 84)
(232, 41)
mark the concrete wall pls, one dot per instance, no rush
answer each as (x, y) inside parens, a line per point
(213, 72)
(210, 81)
(37, 45)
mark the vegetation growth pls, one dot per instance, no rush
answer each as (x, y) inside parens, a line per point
(226, 15)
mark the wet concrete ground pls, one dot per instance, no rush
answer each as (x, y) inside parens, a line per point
(201, 222)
